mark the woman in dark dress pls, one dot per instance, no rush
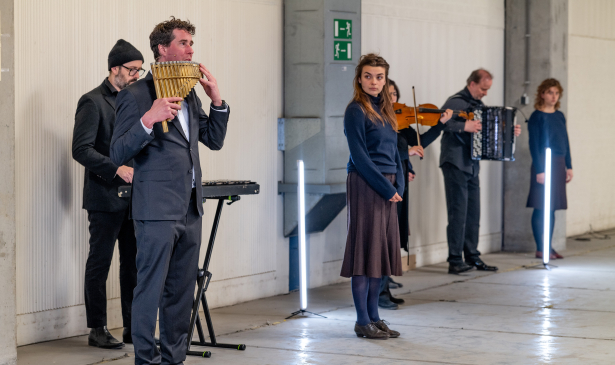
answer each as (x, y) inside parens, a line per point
(407, 145)
(374, 185)
(547, 128)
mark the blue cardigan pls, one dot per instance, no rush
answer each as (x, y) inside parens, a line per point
(548, 130)
(373, 150)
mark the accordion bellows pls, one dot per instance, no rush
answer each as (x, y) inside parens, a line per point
(496, 140)
(174, 79)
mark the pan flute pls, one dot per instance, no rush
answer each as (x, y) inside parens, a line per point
(174, 79)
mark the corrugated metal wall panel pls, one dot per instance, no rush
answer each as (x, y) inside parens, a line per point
(62, 53)
(434, 45)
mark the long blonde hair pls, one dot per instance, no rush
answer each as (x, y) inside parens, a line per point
(362, 98)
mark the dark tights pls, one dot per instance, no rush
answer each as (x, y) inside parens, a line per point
(365, 293)
(538, 222)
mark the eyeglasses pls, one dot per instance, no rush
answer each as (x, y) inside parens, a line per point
(133, 71)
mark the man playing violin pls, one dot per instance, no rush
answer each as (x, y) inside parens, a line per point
(460, 172)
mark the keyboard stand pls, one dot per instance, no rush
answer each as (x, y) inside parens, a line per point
(203, 279)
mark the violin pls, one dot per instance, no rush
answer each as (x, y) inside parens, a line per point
(428, 115)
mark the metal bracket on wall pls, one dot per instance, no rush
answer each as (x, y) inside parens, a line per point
(312, 188)
(331, 202)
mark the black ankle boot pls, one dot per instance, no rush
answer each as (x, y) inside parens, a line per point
(127, 335)
(385, 303)
(393, 299)
(394, 284)
(100, 337)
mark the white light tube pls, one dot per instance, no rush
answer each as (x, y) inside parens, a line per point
(546, 251)
(301, 233)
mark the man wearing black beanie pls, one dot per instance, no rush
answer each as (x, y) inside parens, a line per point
(107, 213)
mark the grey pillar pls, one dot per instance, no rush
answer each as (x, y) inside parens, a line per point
(546, 56)
(322, 47)
(8, 342)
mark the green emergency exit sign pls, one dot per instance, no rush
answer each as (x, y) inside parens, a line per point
(342, 28)
(342, 50)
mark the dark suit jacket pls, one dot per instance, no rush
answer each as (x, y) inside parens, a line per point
(94, 121)
(456, 145)
(162, 182)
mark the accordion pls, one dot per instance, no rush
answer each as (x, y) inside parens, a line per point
(496, 140)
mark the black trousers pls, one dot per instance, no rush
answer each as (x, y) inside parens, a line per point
(105, 229)
(403, 213)
(167, 263)
(463, 207)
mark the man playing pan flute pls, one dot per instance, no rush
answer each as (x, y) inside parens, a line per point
(166, 194)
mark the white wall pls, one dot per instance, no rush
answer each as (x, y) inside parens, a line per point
(61, 53)
(591, 198)
(432, 46)
(62, 49)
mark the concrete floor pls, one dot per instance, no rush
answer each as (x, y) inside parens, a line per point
(517, 316)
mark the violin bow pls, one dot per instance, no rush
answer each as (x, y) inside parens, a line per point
(416, 118)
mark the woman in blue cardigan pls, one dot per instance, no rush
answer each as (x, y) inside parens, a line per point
(374, 185)
(547, 128)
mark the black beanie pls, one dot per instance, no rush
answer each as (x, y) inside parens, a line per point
(123, 52)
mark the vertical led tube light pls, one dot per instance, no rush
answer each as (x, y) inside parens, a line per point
(546, 249)
(301, 234)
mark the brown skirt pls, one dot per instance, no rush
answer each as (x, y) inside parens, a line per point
(536, 198)
(372, 241)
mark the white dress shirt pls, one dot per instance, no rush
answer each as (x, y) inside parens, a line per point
(184, 118)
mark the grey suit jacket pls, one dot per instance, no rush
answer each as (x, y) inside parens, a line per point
(456, 145)
(162, 181)
(94, 122)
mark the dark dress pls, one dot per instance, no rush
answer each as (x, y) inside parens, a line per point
(374, 176)
(549, 130)
(407, 138)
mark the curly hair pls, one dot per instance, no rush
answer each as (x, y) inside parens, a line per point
(539, 102)
(163, 33)
(388, 115)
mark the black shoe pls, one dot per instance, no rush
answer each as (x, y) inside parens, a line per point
(370, 331)
(385, 303)
(392, 298)
(100, 337)
(394, 284)
(396, 300)
(127, 335)
(457, 269)
(480, 265)
(382, 325)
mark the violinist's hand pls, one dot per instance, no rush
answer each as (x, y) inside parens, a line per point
(446, 116)
(416, 151)
(517, 130)
(568, 175)
(540, 178)
(473, 126)
(411, 176)
(396, 198)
